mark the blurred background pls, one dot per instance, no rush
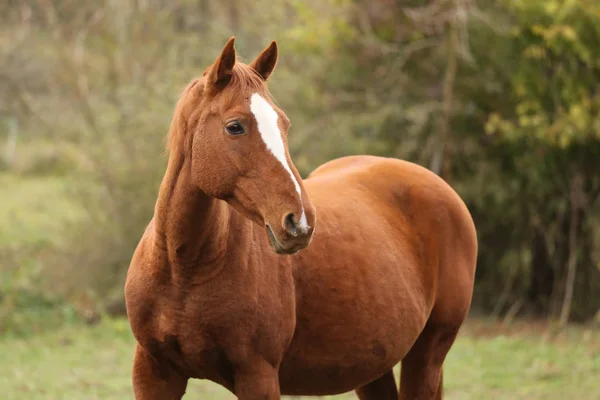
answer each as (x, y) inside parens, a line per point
(499, 97)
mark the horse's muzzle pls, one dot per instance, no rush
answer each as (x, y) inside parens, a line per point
(287, 243)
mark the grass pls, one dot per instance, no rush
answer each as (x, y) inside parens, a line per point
(523, 362)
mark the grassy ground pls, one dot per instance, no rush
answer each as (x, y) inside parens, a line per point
(487, 362)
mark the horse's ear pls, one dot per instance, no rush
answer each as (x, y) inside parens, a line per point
(222, 70)
(266, 61)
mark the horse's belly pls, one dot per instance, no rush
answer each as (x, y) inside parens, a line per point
(321, 379)
(334, 356)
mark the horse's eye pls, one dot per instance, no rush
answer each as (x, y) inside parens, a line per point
(234, 128)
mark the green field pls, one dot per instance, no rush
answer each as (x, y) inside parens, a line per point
(487, 362)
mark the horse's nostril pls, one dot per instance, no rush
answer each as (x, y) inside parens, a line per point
(290, 223)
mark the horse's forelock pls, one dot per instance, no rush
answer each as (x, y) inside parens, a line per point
(244, 80)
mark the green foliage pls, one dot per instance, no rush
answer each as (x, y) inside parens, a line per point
(555, 82)
(547, 143)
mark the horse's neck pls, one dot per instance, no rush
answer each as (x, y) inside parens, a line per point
(189, 225)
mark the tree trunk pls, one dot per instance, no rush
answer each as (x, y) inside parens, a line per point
(575, 200)
(541, 281)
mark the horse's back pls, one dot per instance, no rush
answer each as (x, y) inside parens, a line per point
(387, 176)
(418, 193)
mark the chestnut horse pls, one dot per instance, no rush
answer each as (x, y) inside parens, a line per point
(268, 284)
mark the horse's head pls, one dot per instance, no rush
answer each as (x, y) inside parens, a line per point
(236, 140)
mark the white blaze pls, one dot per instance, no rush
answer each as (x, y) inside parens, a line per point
(266, 119)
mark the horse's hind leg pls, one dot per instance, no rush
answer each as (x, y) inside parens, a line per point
(383, 388)
(421, 372)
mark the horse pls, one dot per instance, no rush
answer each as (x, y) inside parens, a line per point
(267, 284)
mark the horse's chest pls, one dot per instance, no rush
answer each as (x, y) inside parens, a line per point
(190, 351)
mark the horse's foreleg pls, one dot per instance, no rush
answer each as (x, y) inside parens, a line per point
(383, 388)
(257, 381)
(152, 381)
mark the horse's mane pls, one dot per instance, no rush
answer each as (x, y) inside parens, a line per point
(244, 79)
